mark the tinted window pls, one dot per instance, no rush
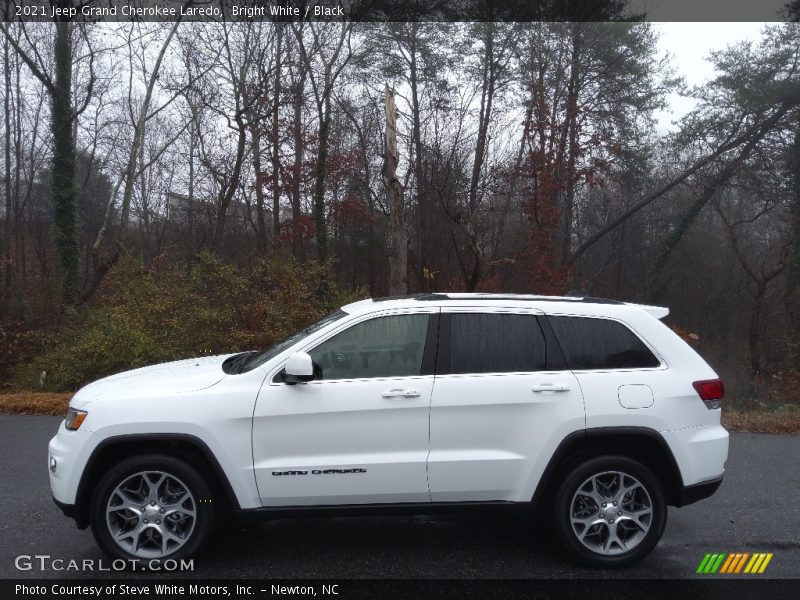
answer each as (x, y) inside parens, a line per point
(382, 347)
(601, 344)
(495, 343)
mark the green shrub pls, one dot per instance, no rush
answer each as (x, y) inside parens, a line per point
(146, 316)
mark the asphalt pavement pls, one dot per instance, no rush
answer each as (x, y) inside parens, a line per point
(757, 509)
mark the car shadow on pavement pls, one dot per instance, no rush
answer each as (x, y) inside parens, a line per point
(426, 546)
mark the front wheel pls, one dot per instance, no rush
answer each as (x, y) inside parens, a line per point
(152, 507)
(610, 511)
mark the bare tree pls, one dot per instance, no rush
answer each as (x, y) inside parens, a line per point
(134, 165)
(398, 239)
(325, 50)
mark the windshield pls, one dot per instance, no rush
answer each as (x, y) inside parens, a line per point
(259, 358)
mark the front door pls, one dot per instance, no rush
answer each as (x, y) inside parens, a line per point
(357, 433)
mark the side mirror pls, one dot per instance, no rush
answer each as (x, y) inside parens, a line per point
(299, 368)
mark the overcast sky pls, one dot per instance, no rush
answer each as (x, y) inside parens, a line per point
(689, 44)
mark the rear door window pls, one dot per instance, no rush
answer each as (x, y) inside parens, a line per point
(601, 344)
(495, 343)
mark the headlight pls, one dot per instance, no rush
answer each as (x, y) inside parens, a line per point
(74, 418)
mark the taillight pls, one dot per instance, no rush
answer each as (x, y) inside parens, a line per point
(710, 391)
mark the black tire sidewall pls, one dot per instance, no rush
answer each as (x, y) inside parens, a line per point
(563, 499)
(184, 471)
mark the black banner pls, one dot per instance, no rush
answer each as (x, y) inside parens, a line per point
(377, 589)
(395, 10)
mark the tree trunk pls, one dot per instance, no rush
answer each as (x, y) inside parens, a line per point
(749, 138)
(63, 176)
(753, 337)
(298, 249)
(484, 115)
(7, 259)
(568, 172)
(484, 119)
(190, 216)
(654, 287)
(793, 260)
(318, 207)
(423, 213)
(261, 227)
(398, 240)
(229, 189)
(146, 232)
(276, 144)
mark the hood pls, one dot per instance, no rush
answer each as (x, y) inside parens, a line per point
(167, 378)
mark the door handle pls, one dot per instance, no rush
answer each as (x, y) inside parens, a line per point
(550, 387)
(399, 393)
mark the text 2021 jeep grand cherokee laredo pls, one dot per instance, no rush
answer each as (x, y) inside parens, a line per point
(590, 408)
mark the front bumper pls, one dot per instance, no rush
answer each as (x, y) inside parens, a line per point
(64, 451)
(69, 510)
(67, 455)
(80, 517)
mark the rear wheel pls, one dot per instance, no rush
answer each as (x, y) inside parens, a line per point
(152, 507)
(610, 511)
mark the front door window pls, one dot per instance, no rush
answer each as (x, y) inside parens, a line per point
(390, 346)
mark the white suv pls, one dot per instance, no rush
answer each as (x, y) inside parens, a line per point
(590, 408)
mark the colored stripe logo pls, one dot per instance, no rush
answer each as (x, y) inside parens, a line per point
(737, 562)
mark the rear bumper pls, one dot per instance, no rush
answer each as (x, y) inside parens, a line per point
(700, 452)
(699, 491)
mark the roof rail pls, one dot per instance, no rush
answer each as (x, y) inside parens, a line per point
(420, 296)
(438, 296)
(594, 300)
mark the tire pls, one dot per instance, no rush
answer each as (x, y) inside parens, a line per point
(603, 524)
(150, 508)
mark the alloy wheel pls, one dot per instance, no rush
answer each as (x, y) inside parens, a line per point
(611, 513)
(151, 514)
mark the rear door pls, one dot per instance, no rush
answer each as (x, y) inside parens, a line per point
(502, 401)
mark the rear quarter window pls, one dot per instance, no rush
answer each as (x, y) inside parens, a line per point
(600, 344)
